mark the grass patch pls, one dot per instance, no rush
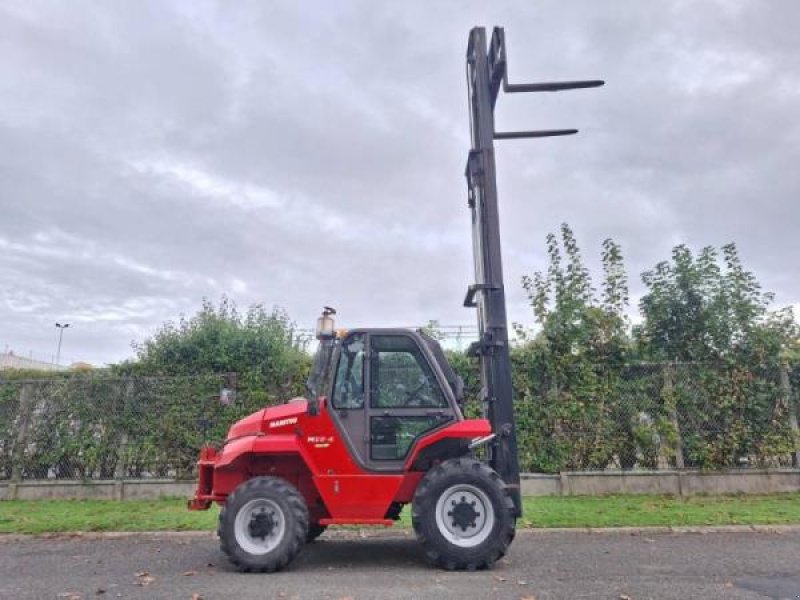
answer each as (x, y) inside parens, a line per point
(170, 514)
(643, 511)
(59, 516)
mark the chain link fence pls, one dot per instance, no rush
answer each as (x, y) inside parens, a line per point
(659, 416)
(644, 416)
(97, 427)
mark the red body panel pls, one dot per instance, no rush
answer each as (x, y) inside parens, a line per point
(470, 428)
(309, 452)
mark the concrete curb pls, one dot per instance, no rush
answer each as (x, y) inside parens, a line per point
(567, 483)
(105, 535)
(661, 530)
(352, 534)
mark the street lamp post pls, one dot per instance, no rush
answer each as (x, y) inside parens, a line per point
(61, 328)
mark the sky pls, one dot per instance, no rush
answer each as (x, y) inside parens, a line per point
(301, 154)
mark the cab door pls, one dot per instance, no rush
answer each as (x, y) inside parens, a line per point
(405, 398)
(348, 397)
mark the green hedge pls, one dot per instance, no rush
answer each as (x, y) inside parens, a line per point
(101, 425)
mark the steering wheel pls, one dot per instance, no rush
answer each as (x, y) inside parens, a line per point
(412, 395)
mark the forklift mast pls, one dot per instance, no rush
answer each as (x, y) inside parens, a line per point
(487, 73)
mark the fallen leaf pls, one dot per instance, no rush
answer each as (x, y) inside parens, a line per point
(189, 573)
(144, 578)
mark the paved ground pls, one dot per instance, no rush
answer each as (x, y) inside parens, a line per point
(388, 565)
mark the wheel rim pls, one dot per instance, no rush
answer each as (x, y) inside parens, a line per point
(464, 515)
(259, 526)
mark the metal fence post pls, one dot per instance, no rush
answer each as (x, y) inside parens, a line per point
(668, 396)
(24, 414)
(128, 399)
(122, 459)
(786, 394)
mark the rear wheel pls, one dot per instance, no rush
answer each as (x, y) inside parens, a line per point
(263, 524)
(463, 515)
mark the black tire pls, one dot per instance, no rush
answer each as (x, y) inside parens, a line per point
(284, 509)
(463, 482)
(314, 531)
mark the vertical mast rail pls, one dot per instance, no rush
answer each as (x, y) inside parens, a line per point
(487, 74)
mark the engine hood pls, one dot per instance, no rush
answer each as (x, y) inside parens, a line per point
(270, 420)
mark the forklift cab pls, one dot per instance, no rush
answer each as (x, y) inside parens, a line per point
(387, 388)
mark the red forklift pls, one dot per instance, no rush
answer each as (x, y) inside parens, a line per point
(381, 425)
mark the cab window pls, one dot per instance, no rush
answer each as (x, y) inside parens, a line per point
(401, 376)
(392, 437)
(348, 388)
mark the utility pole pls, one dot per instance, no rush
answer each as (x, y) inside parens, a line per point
(487, 75)
(61, 328)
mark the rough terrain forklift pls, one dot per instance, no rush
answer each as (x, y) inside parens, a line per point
(381, 425)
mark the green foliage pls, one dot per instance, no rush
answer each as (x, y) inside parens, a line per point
(255, 353)
(711, 311)
(9, 407)
(576, 327)
(585, 399)
(701, 375)
(467, 367)
(258, 345)
(710, 308)
(565, 375)
(100, 426)
(150, 416)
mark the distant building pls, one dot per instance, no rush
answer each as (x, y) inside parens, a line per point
(9, 360)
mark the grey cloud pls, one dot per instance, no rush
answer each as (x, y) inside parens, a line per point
(153, 153)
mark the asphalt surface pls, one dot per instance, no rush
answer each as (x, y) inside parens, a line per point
(388, 565)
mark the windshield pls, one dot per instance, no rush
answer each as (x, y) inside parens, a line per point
(319, 371)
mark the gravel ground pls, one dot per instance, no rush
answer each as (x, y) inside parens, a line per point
(354, 565)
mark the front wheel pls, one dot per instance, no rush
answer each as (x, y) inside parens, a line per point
(463, 515)
(263, 524)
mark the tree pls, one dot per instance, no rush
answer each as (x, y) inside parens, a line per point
(258, 345)
(709, 308)
(711, 312)
(565, 374)
(175, 405)
(573, 321)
